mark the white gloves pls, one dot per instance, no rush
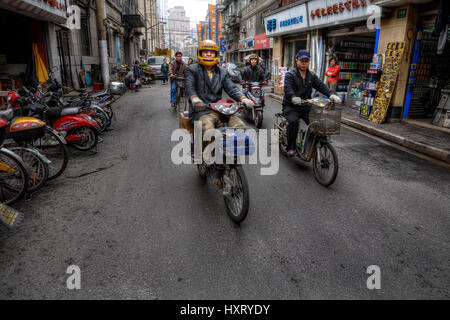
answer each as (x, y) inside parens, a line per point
(196, 102)
(335, 98)
(297, 101)
(248, 103)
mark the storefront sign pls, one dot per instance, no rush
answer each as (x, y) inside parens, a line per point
(262, 42)
(328, 11)
(292, 19)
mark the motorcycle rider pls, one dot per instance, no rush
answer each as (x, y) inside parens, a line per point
(204, 83)
(298, 85)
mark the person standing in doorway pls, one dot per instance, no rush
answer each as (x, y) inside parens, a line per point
(333, 74)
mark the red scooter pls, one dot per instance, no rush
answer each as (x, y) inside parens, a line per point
(254, 92)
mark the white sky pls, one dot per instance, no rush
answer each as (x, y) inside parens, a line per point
(195, 9)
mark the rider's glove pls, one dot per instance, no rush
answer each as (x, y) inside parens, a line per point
(248, 103)
(297, 101)
(196, 102)
(335, 98)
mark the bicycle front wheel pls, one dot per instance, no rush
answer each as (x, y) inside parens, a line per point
(325, 164)
(37, 168)
(53, 147)
(13, 177)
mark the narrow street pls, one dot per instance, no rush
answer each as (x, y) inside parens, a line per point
(140, 227)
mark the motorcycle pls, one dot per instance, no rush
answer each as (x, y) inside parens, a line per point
(313, 143)
(228, 176)
(254, 92)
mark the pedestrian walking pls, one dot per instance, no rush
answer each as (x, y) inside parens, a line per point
(137, 75)
(165, 71)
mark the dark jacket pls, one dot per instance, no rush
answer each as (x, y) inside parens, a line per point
(295, 86)
(197, 83)
(177, 69)
(165, 68)
(136, 71)
(256, 74)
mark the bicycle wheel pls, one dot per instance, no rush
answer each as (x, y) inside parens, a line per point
(237, 205)
(35, 165)
(13, 177)
(54, 148)
(326, 170)
(182, 106)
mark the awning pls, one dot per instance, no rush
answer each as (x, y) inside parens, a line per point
(54, 11)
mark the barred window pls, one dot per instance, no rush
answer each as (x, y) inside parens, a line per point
(84, 36)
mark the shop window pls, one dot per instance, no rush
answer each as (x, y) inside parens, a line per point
(84, 36)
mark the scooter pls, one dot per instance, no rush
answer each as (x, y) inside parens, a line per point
(228, 175)
(313, 143)
(254, 92)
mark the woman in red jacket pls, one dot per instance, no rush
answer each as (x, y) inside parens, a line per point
(333, 74)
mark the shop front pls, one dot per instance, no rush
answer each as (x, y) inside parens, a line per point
(428, 86)
(26, 52)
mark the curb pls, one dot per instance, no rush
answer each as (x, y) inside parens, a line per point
(428, 150)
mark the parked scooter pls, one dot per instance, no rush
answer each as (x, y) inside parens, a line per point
(254, 92)
(313, 143)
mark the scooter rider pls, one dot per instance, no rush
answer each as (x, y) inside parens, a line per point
(298, 85)
(204, 83)
(253, 72)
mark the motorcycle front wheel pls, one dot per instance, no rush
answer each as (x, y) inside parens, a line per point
(325, 170)
(238, 204)
(258, 119)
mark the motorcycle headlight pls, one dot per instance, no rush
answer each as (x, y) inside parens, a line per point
(227, 110)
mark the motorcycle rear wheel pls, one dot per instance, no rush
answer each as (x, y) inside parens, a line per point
(329, 160)
(92, 138)
(202, 171)
(238, 204)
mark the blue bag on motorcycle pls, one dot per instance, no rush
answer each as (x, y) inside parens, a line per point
(238, 144)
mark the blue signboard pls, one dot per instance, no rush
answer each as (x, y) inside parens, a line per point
(288, 22)
(271, 24)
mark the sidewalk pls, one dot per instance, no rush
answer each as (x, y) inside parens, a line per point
(423, 139)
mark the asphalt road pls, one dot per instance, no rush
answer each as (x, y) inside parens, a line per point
(139, 226)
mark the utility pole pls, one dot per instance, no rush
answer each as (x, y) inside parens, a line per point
(102, 43)
(146, 31)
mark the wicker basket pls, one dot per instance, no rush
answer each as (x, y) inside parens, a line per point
(325, 121)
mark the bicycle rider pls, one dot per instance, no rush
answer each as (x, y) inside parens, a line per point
(176, 70)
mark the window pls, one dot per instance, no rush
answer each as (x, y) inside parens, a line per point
(84, 36)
